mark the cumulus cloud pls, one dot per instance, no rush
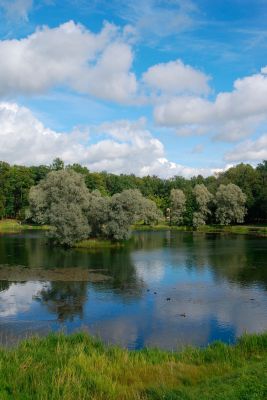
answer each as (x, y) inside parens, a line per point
(250, 150)
(16, 9)
(122, 146)
(21, 295)
(25, 140)
(175, 77)
(71, 56)
(231, 116)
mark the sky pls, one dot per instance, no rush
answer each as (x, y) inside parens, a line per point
(158, 87)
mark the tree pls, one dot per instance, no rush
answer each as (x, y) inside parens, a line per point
(178, 206)
(2, 206)
(125, 209)
(260, 212)
(149, 212)
(230, 204)
(122, 211)
(57, 164)
(97, 212)
(61, 200)
(15, 183)
(203, 197)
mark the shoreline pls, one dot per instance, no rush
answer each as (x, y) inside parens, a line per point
(260, 230)
(13, 226)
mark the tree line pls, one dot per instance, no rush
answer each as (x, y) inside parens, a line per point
(16, 182)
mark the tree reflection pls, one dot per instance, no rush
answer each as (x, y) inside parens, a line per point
(4, 285)
(66, 299)
(234, 258)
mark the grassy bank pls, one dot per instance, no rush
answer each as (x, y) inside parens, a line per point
(236, 229)
(98, 244)
(13, 226)
(79, 367)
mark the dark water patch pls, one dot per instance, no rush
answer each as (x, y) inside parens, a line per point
(19, 273)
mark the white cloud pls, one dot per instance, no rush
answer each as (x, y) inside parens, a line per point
(250, 150)
(25, 140)
(175, 77)
(156, 18)
(71, 56)
(21, 295)
(16, 9)
(127, 147)
(231, 116)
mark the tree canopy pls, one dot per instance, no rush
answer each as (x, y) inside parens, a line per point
(16, 182)
(63, 201)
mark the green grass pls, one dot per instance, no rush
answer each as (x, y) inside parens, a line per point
(79, 367)
(98, 244)
(13, 226)
(160, 227)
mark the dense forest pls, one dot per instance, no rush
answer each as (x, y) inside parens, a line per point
(16, 181)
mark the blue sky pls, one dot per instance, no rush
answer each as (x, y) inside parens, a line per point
(169, 87)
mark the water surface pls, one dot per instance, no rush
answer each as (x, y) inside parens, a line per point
(164, 289)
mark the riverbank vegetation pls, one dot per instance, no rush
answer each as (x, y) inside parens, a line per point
(65, 199)
(260, 230)
(80, 367)
(14, 226)
(75, 214)
(16, 181)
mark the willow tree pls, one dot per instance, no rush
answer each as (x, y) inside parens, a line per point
(61, 200)
(203, 199)
(178, 206)
(230, 204)
(125, 209)
(97, 212)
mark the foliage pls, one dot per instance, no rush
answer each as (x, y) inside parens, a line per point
(61, 200)
(16, 181)
(97, 212)
(125, 209)
(203, 198)
(230, 202)
(178, 206)
(81, 367)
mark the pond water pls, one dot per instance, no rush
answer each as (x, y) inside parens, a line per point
(164, 289)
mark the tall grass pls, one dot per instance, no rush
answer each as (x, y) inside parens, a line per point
(79, 367)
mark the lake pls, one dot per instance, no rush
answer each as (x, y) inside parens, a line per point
(164, 289)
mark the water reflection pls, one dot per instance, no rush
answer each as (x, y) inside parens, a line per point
(64, 299)
(4, 285)
(215, 285)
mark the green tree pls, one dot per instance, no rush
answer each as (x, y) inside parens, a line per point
(230, 204)
(61, 200)
(178, 206)
(203, 198)
(149, 212)
(57, 164)
(125, 209)
(260, 209)
(97, 212)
